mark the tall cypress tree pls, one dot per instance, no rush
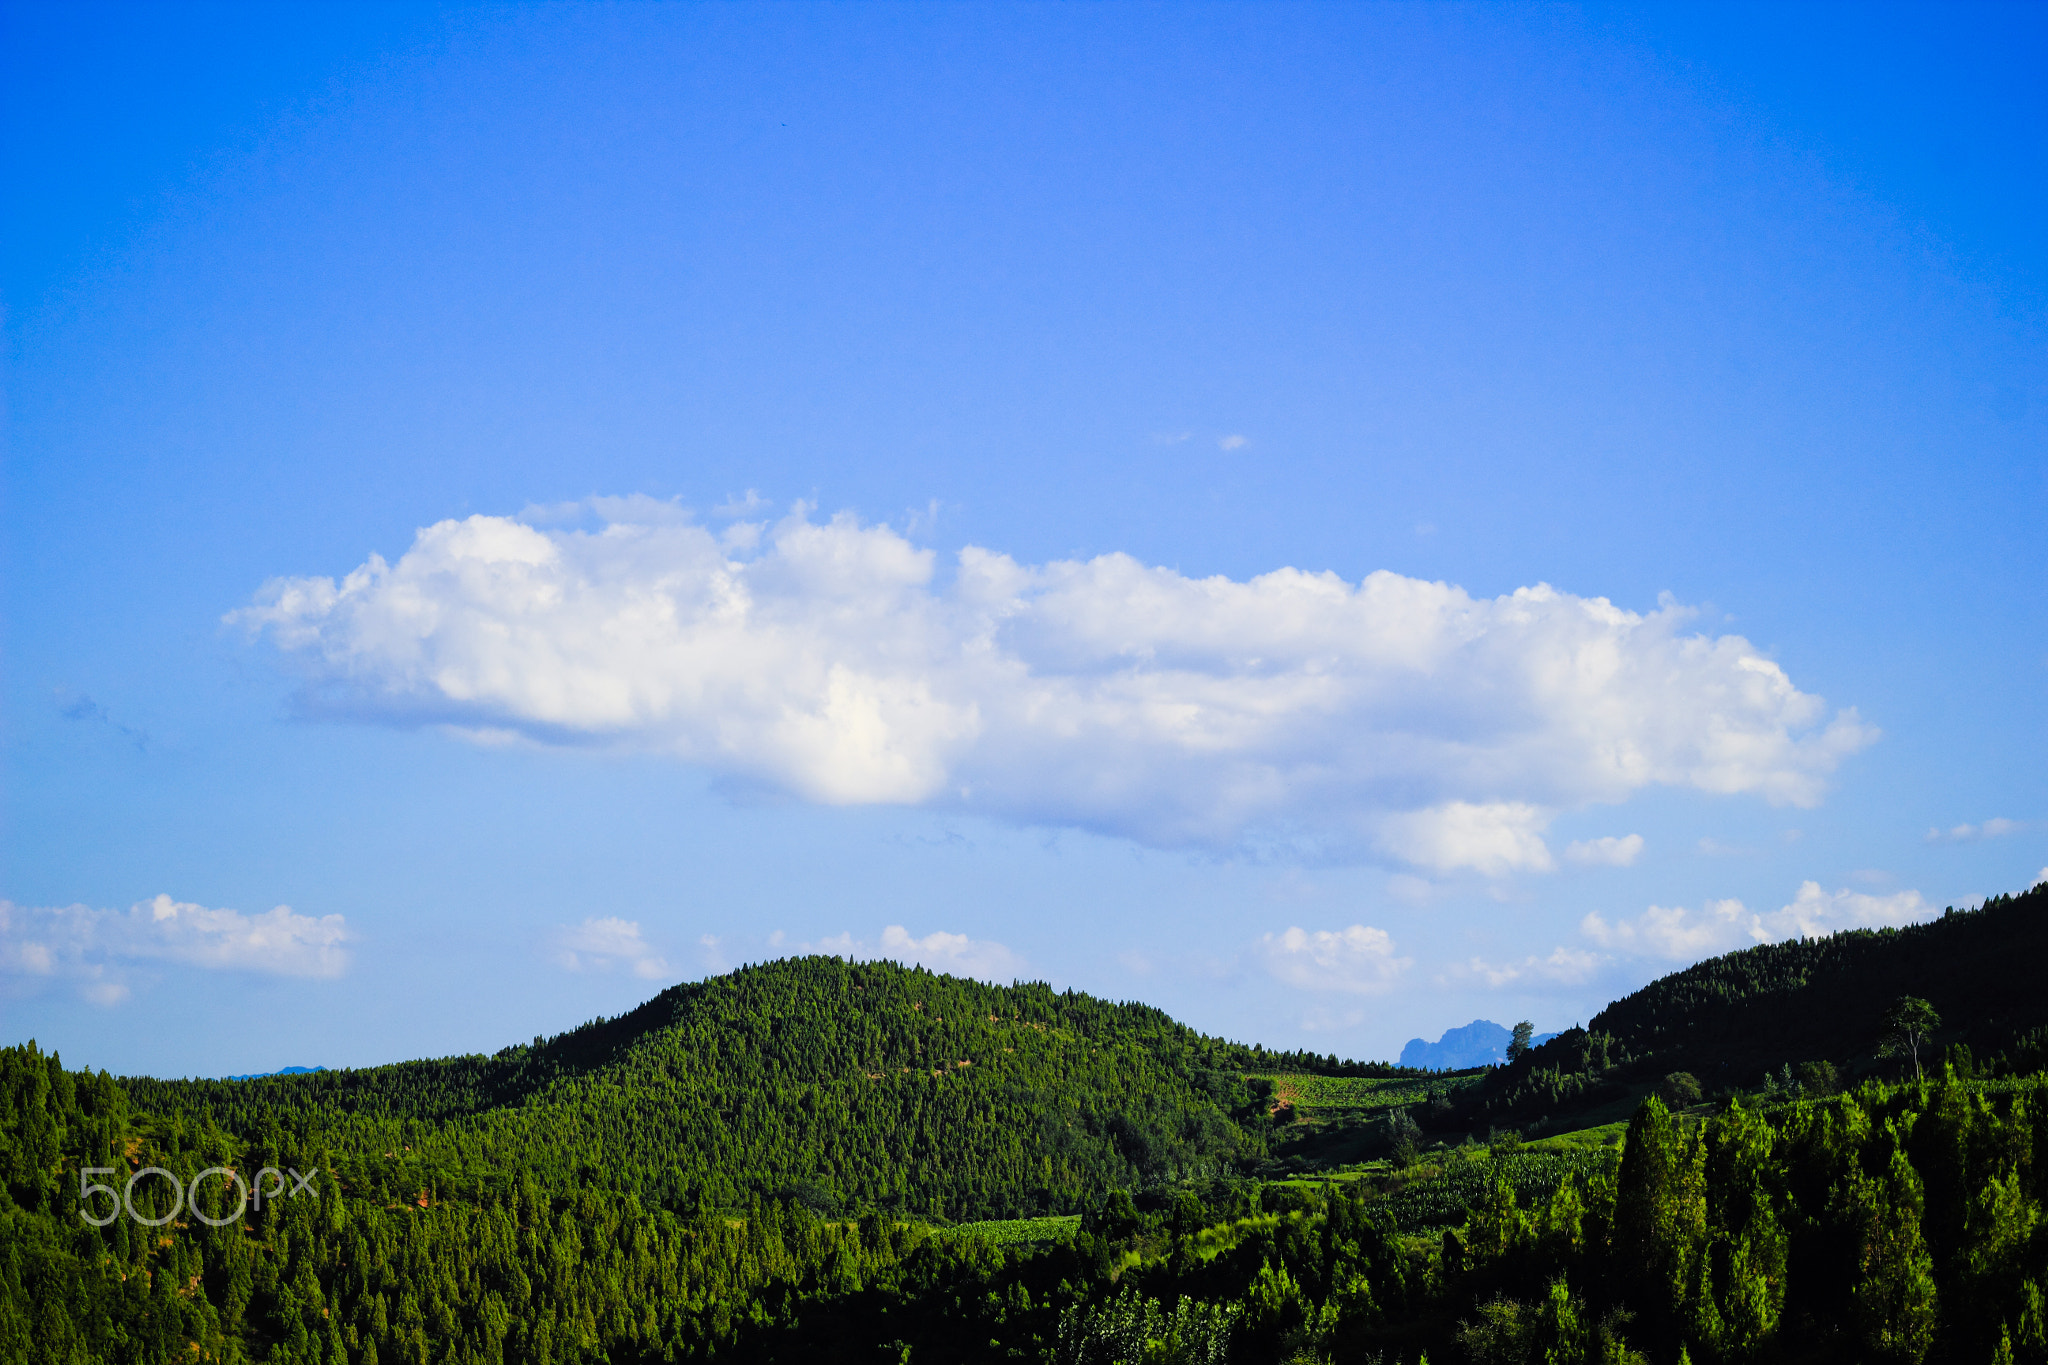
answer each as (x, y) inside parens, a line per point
(1645, 1206)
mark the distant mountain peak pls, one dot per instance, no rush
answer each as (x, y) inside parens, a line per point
(1479, 1043)
(281, 1071)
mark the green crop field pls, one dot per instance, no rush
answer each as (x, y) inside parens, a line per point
(1021, 1231)
(1358, 1092)
(1340, 1176)
(1443, 1198)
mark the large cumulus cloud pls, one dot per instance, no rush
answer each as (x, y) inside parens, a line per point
(834, 661)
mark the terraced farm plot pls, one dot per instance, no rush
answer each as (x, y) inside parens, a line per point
(1356, 1094)
(1442, 1200)
(1338, 1176)
(1021, 1231)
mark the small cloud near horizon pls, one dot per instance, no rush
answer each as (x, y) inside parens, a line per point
(953, 954)
(98, 950)
(1605, 852)
(1563, 967)
(1676, 933)
(1359, 960)
(605, 942)
(745, 505)
(1995, 828)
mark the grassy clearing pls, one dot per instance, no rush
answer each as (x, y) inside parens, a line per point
(1338, 1176)
(1021, 1231)
(1582, 1140)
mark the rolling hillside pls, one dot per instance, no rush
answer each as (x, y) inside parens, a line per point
(1732, 1019)
(848, 1085)
(1820, 998)
(761, 1167)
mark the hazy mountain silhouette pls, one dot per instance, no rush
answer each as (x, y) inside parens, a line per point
(1480, 1043)
(282, 1071)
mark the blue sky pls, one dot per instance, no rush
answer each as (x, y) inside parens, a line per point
(1335, 521)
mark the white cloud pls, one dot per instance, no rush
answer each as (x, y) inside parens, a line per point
(602, 943)
(1359, 959)
(1815, 913)
(276, 941)
(1722, 925)
(1493, 838)
(955, 954)
(1563, 967)
(1994, 828)
(94, 948)
(711, 952)
(1293, 710)
(1232, 442)
(745, 506)
(1665, 931)
(1607, 851)
(840, 945)
(1323, 1019)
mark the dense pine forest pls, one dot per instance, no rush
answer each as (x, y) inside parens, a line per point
(846, 1086)
(1804, 1006)
(1831, 1151)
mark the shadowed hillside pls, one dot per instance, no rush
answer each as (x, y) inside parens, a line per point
(1732, 1019)
(1820, 998)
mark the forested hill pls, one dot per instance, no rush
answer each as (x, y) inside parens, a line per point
(1820, 998)
(650, 1188)
(1728, 1021)
(848, 1085)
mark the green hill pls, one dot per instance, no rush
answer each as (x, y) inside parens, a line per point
(763, 1167)
(1820, 998)
(1731, 1019)
(848, 1085)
